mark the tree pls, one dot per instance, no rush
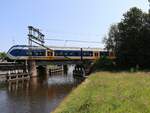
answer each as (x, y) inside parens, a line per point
(103, 64)
(130, 39)
(110, 42)
(3, 56)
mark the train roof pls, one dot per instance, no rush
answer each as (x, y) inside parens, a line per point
(73, 48)
(59, 48)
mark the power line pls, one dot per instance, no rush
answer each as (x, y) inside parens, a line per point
(55, 39)
(73, 41)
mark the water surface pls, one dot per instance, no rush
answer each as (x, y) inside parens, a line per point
(38, 95)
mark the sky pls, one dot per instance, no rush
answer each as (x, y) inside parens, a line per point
(86, 20)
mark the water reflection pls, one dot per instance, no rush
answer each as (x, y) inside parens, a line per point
(17, 85)
(38, 95)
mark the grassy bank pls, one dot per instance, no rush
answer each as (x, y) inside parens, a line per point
(110, 93)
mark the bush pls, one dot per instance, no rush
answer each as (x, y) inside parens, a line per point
(104, 64)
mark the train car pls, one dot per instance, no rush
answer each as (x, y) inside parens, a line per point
(24, 52)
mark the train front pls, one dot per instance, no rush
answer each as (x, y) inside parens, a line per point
(21, 52)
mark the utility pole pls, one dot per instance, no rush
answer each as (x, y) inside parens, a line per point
(34, 36)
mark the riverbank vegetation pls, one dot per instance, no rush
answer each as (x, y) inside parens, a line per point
(3, 56)
(105, 92)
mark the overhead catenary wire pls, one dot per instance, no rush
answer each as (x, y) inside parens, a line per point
(56, 39)
(80, 41)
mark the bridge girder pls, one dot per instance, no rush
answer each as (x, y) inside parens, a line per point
(58, 62)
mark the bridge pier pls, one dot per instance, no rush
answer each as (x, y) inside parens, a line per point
(32, 67)
(43, 71)
(65, 68)
(47, 71)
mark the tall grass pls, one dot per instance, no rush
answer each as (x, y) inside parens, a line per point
(105, 92)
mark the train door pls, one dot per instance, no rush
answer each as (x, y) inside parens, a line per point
(96, 54)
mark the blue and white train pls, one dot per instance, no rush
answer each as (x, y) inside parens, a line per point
(24, 52)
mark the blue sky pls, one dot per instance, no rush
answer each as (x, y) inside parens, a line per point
(61, 19)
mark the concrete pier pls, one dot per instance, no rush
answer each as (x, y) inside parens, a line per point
(32, 67)
(43, 71)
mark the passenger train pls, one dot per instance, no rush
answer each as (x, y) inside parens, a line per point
(24, 52)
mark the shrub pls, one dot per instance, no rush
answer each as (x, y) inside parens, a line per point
(104, 64)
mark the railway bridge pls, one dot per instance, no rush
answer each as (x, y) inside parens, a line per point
(35, 56)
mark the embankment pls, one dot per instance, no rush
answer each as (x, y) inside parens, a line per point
(110, 93)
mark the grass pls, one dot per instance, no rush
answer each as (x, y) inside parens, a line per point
(105, 92)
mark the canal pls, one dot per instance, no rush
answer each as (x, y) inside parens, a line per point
(37, 95)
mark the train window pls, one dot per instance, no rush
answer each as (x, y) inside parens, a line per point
(27, 53)
(77, 53)
(70, 53)
(43, 53)
(73, 53)
(40, 53)
(16, 52)
(32, 53)
(65, 54)
(59, 53)
(35, 53)
(86, 53)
